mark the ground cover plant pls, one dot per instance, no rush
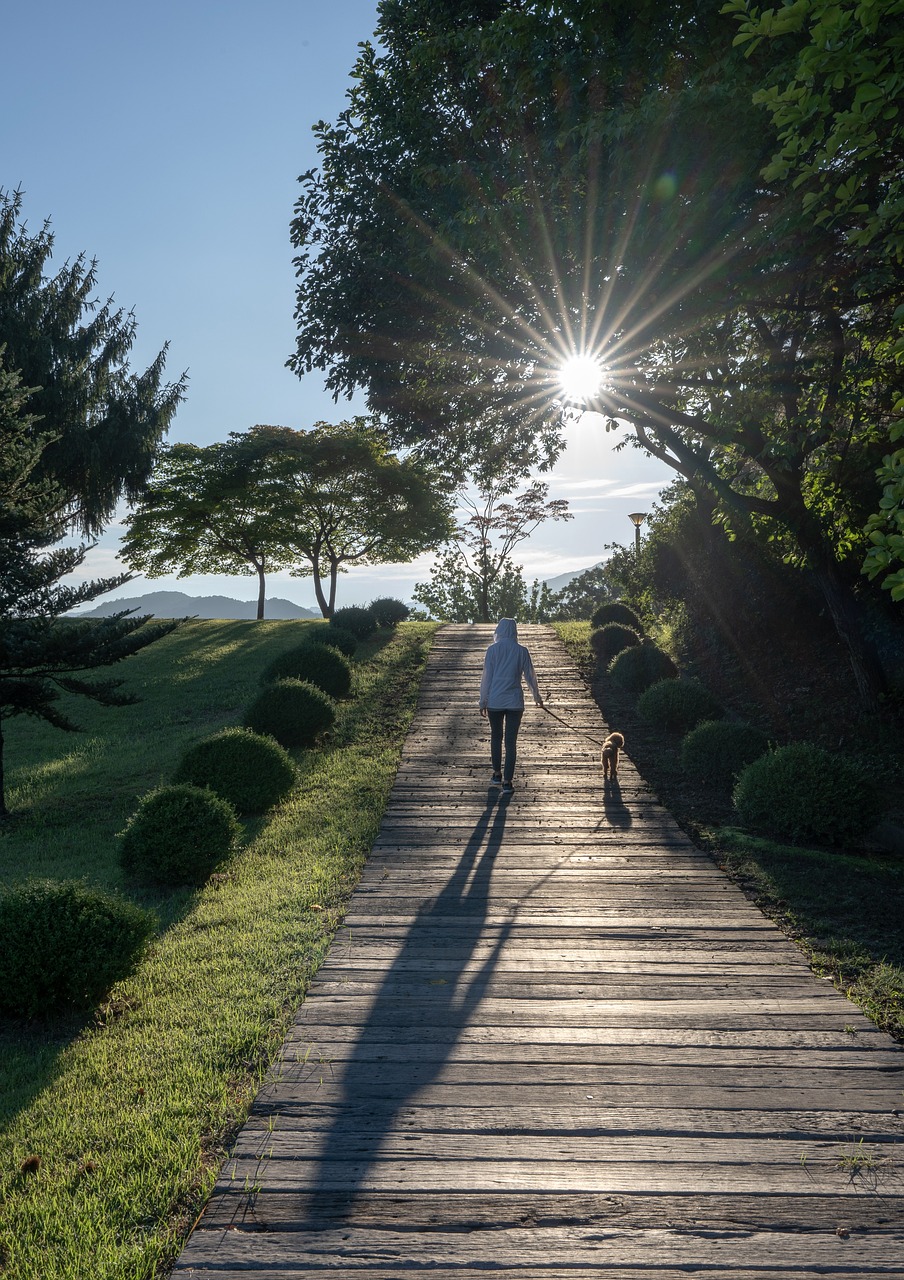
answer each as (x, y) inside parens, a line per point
(111, 1129)
(844, 906)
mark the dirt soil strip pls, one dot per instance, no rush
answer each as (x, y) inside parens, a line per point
(553, 1040)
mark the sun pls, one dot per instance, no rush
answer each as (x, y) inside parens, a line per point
(581, 378)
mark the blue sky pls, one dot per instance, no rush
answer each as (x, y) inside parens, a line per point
(166, 141)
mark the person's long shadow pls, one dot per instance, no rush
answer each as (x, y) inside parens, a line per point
(373, 1094)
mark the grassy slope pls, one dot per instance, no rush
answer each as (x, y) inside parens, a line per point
(845, 909)
(130, 1113)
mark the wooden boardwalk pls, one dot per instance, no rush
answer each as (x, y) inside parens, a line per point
(553, 1040)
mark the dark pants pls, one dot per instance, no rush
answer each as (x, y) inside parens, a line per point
(505, 722)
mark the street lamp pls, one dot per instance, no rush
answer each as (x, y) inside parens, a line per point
(637, 518)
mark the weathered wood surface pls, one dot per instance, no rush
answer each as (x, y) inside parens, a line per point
(553, 1040)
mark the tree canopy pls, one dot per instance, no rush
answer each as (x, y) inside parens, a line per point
(516, 183)
(102, 423)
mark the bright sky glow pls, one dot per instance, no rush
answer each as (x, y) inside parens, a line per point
(581, 378)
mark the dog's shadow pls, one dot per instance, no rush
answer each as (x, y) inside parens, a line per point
(614, 807)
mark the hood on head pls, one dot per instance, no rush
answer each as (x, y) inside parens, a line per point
(506, 629)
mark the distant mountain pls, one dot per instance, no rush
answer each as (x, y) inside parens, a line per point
(177, 604)
(556, 584)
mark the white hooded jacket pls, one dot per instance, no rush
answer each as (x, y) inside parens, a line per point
(505, 663)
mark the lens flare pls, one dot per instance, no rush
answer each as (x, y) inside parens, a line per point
(581, 378)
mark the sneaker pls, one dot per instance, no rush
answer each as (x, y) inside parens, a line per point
(507, 787)
(496, 780)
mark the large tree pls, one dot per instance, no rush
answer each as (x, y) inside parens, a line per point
(546, 180)
(44, 655)
(207, 510)
(338, 497)
(106, 422)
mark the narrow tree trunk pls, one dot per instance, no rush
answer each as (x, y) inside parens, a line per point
(844, 611)
(334, 572)
(261, 590)
(318, 586)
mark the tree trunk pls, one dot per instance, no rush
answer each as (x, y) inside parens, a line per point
(334, 571)
(261, 591)
(845, 612)
(318, 588)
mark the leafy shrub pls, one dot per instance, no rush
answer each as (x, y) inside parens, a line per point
(388, 612)
(801, 792)
(249, 770)
(63, 945)
(717, 750)
(637, 668)
(294, 712)
(320, 664)
(615, 611)
(677, 705)
(360, 622)
(611, 639)
(333, 637)
(178, 834)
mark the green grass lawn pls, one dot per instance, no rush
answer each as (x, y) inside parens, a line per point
(844, 908)
(131, 1110)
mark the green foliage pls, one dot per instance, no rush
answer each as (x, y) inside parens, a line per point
(103, 422)
(335, 637)
(293, 712)
(319, 664)
(356, 619)
(678, 705)
(178, 835)
(637, 668)
(608, 640)
(63, 945)
(388, 612)
(801, 792)
(716, 751)
(206, 510)
(886, 528)
(579, 597)
(615, 611)
(250, 771)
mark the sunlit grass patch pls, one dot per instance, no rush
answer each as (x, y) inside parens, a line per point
(130, 1114)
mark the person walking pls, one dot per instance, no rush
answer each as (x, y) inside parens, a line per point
(502, 698)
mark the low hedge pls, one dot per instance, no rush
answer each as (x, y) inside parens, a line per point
(356, 619)
(333, 638)
(178, 835)
(802, 792)
(63, 945)
(615, 611)
(250, 770)
(678, 704)
(294, 712)
(716, 751)
(320, 664)
(610, 639)
(635, 669)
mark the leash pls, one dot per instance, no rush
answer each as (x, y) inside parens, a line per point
(580, 732)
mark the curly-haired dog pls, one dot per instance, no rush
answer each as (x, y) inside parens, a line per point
(611, 747)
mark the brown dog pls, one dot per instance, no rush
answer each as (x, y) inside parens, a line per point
(611, 747)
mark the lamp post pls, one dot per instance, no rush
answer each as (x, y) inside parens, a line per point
(637, 518)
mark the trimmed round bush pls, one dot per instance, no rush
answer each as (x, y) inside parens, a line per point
(388, 612)
(802, 792)
(615, 611)
(333, 638)
(63, 945)
(294, 712)
(716, 751)
(251, 771)
(178, 834)
(677, 705)
(635, 669)
(359, 621)
(610, 639)
(320, 664)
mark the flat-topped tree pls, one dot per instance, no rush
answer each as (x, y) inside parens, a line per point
(205, 510)
(338, 497)
(544, 182)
